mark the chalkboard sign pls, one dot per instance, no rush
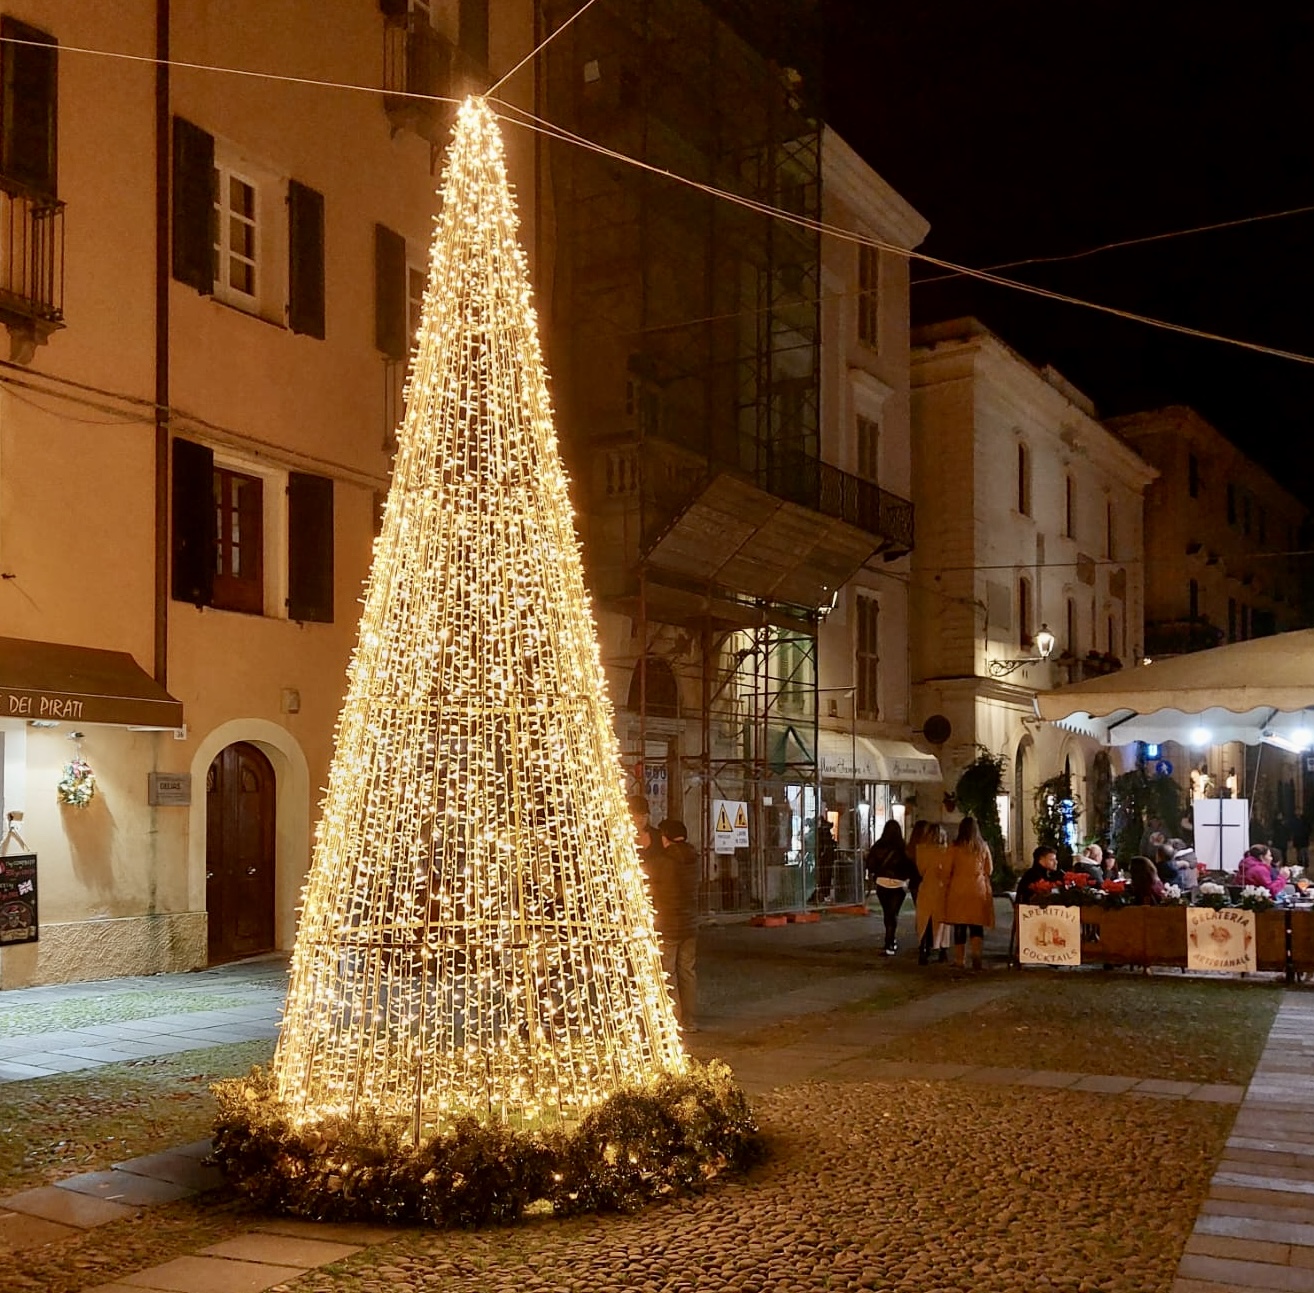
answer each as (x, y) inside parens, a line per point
(18, 898)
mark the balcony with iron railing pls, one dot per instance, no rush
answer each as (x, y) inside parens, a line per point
(423, 72)
(805, 480)
(31, 268)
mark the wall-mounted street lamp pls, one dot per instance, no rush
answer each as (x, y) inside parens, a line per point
(1044, 645)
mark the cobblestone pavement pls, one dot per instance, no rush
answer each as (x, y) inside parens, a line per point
(883, 1175)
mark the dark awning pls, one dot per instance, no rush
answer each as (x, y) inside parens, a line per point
(51, 682)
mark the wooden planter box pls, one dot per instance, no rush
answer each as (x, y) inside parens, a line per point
(1134, 935)
(1157, 936)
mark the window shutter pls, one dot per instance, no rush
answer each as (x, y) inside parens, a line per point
(193, 523)
(309, 548)
(306, 266)
(390, 293)
(193, 206)
(30, 77)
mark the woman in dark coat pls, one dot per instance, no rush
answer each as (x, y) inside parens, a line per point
(891, 870)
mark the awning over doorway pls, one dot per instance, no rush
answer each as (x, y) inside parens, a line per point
(53, 682)
(844, 756)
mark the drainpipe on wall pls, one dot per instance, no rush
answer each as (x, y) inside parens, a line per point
(163, 168)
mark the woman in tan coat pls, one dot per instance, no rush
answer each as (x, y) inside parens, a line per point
(969, 905)
(931, 856)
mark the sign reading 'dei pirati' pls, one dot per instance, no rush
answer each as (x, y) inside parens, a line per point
(1220, 940)
(18, 898)
(1048, 935)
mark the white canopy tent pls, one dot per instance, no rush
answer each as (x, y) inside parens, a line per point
(1262, 690)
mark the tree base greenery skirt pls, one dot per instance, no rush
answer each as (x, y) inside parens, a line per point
(671, 1137)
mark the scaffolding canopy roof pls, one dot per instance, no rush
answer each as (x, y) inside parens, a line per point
(737, 536)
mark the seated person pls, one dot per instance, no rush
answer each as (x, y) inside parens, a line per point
(1188, 869)
(1146, 887)
(1109, 867)
(1044, 867)
(1089, 863)
(1163, 863)
(1257, 869)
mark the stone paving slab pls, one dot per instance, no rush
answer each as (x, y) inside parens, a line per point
(18, 1230)
(124, 1187)
(185, 1170)
(281, 1250)
(1104, 1085)
(14, 1072)
(1240, 1275)
(1050, 1078)
(1300, 1234)
(1218, 1093)
(1250, 1250)
(344, 1232)
(211, 1275)
(67, 1207)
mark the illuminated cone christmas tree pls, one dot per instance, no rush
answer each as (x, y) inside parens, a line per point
(476, 936)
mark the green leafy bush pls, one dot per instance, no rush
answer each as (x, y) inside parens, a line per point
(670, 1137)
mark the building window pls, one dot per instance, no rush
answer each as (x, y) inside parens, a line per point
(29, 72)
(1245, 513)
(794, 660)
(867, 657)
(1024, 635)
(1193, 475)
(869, 443)
(1113, 638)
(237, 237)
(868, 296)
(1231, 619)
(1072, 627)
(1069, 508)
(1023, 480)
(222, 536)
(1108, 531)
(239, 583)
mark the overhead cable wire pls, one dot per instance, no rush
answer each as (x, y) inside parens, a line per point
(1126, 242)
(532, 122)
(538, 49)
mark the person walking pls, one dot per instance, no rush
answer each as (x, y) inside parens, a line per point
(672, 872)
(889, 865)
(930, 854)
(969, 904)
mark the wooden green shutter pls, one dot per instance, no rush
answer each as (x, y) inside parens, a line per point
(193, 526)
(306, 260)
(390, 323)
(309, 548)
(193, 206)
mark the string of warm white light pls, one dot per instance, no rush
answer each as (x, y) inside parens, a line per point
(476, 935)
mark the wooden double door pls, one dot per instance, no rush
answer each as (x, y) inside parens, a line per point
(239, 853)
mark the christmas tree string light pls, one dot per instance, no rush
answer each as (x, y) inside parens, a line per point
(476, 937)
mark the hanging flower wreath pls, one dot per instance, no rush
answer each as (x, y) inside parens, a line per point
(78, 784)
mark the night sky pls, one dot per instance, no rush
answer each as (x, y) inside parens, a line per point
(1028, 128)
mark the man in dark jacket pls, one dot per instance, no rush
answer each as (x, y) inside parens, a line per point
(1043, 869)
(673, 881)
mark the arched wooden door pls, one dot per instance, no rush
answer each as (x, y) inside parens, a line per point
(239, 853)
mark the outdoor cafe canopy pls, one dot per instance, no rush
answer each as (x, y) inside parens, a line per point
(1261, 690)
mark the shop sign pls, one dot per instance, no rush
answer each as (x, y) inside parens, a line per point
(1220, 940)
(18, 898)
(1048, 935)
(169, 789)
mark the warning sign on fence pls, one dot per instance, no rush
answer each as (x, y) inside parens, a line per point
(729, 825)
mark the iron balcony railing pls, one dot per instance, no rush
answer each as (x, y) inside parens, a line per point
(32, 259)
(802, 479)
